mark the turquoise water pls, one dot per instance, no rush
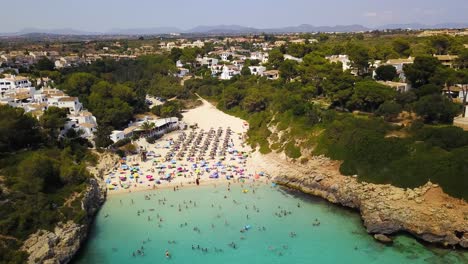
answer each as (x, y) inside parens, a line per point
(340, 238)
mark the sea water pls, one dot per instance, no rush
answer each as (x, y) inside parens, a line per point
(285, 227)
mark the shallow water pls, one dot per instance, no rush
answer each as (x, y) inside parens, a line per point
(340, 238)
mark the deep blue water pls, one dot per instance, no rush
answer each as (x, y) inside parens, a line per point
(119, 231)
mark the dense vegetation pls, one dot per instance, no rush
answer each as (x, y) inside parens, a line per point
(114, 91)
(309, 110)
(38, 175)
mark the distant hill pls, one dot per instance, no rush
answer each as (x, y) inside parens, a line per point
(234, 29)
(422, 26)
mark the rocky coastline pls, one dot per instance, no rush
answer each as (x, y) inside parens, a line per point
(425, 212)
(61, 244)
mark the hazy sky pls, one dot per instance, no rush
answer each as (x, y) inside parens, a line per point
(102, 15)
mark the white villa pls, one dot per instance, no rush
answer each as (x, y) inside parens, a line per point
(343, 59)
(257, 70)
(207, 61)
(261, 56)
(11, 84)
(229, 71)
(399, 64)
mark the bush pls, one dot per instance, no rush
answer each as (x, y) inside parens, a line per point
(292, 151)
(389, 110)
(436, 108)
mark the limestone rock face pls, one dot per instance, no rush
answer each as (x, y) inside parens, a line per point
(62, 244)
(425, 212)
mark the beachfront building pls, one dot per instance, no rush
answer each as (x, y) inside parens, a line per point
(159, 127)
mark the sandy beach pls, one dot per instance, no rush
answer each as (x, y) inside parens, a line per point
(214, 152)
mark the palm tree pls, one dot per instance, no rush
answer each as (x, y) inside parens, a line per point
(147, 127)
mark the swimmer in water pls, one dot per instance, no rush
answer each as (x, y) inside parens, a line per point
(168, 255)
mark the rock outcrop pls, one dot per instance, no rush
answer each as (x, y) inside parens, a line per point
(425, 212)
(62, 244)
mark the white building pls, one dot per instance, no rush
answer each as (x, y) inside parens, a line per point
(399, 64)
(289, 57)
(71, 103)
(206, 61)
(229, 71)
(257, 70)
(182, 72)
(271, 75)
(11, 83)
(161, 126)
(225, 56)
(216, 69)
(343, 59)
(398, 86)
(179, 64)
(261, 56)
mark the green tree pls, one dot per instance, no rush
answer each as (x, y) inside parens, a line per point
(147, 127)
(369, 95)
(44, 64)
(386, 73)
(288, 70)
(231, 97)
(255, 101)
(440, 43)
(102, 136)
(389, 110)
(275, 58)
(428, 89)
(79, 84)
(37, 173)
(175, 55)
(462, 61)
(402, 47)
(420, 72)
(359, 56)
(436, 108)
(17, 129)
(53, 120)
(245, 71)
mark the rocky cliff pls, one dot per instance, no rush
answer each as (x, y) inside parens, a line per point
(62, 244)
(425, 212)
